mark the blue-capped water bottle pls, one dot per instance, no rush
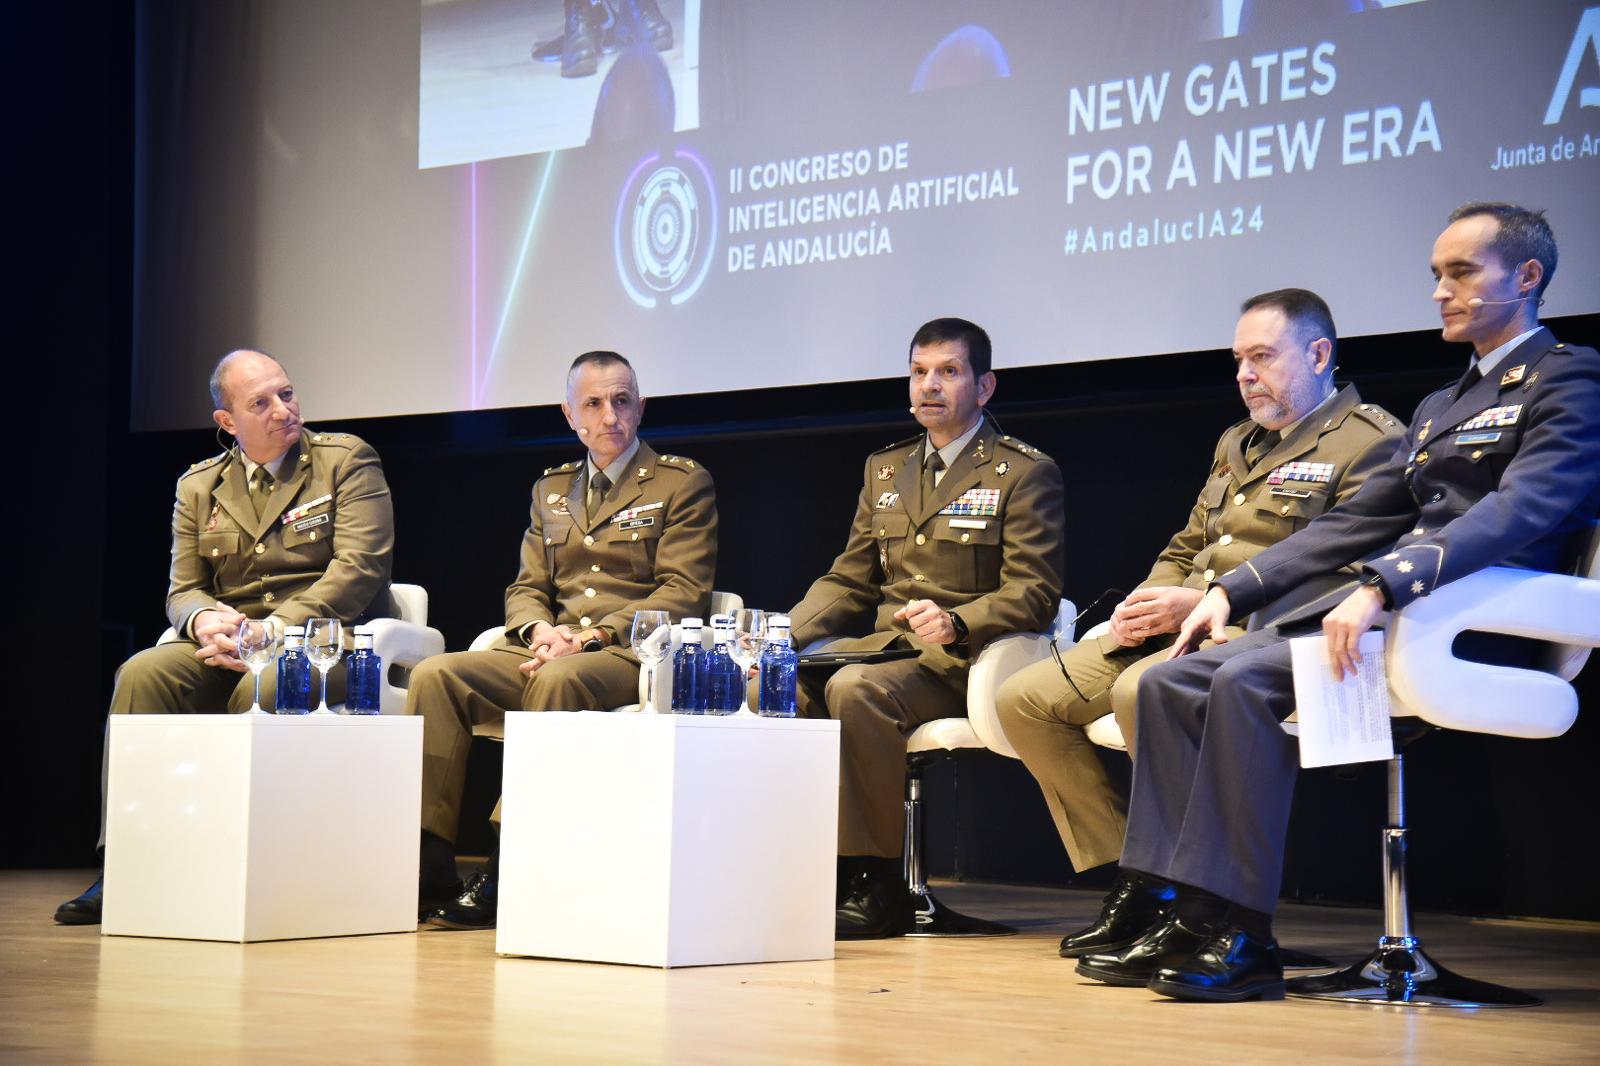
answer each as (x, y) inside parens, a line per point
(294, 673)
(363, 676)
(724, 679)
(688, 690)
(778, 665)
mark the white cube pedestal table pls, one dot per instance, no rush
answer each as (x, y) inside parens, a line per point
(668, 840)
(262, 827)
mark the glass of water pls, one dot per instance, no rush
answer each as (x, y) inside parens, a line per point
(749, 637)
(255, 645)
(651, 639)
(324, 645)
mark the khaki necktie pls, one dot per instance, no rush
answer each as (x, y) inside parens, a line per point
(261, 490)
(1263, 444)
(930, 477)
(597, 492)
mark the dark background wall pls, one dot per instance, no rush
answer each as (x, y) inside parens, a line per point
(90, 510)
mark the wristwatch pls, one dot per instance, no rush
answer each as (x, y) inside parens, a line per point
(597, 638)
(959, 626)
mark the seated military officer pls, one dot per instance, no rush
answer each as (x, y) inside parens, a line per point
(289, 524)
(956, 541)
(619, 531)
(1304, 447)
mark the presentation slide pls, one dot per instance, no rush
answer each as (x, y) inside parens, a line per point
(437, 212)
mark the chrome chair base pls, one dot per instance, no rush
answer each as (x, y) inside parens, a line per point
(1401, 974)
(935, 919)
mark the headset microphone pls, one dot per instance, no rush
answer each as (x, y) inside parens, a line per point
(1478, 301)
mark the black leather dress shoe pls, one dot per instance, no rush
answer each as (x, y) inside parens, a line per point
(475, 908)
(874, 908)
(580, 49)
(1230, 967)
(1132, 907)
(436, 893)
(84, 909)
(648, 20)
(1167, 944)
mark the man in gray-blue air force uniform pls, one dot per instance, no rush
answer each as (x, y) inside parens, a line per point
(1499, 469)
(288, 525)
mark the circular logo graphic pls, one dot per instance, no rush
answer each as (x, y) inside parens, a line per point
(665, 229)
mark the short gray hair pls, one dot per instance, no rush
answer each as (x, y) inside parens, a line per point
(219, 394)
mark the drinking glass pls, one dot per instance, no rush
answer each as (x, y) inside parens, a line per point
(255, 646)
(749, 638)
(651, 639)
(324, 645)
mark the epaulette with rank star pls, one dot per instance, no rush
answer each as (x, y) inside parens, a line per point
(677, 460)
(1021, 447)
(1377, 416)
(562, 469)
(204, 464)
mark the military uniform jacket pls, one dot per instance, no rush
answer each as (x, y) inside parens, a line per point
(652, 545)
(1244, 509)
(987, 546)
(323, 548)
(1507, 474)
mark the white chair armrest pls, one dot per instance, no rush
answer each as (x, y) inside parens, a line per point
(400, 646)
(1429, 681)
(487, 639)
(998, 660)
(1105, 732)
(169, 637)
(409, 603)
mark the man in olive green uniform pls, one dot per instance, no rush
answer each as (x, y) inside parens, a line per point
(619, 531)
(288, 525)
(1305, 446)
(956, 541)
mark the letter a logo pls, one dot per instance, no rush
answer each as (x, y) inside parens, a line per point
(1588, 36)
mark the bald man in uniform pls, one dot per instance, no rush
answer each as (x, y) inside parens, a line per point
(956, 541)
(1305, 447)
(619, 531)
(288, 525)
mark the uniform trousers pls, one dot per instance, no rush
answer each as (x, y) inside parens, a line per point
(168, 679)
(1045, 719)
(876, 705)
(1215, 776)
(458, 691)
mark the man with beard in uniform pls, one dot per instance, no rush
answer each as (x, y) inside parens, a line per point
(956, 541)
(288, 525)
(1305, 447)
(619, 531)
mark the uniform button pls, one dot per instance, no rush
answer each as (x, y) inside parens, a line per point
(595, 567)
(1209, 574)
(585, 621)
(549, 540)
(1419, 531)
(922, 538)
(1284, 509)
(261, 549)
(965, 537)
(589, 593)
(1476, 455)
(1422, 458)
(1238, 498)
(215, 552)
(918, 577)
(1437, 497)
(588, 539)
(633, 536)
(268, 597)
(1225, 539)
(313, 534)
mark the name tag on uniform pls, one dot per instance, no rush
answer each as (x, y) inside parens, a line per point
(305, 524)
(968, 523)
(1493, 418)
(1320, 473)
(1477, 438)
(975, 502)
(635, 523)
(294, 514)
(887, 500)
(630, 513)
(1298, 494)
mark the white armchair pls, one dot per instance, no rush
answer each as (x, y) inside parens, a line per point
(401, 642)
(659, 689)
(979, 729)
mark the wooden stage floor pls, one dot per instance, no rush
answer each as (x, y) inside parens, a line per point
(69, 995)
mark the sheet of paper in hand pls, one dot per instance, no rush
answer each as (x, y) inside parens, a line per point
(1341, 721)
